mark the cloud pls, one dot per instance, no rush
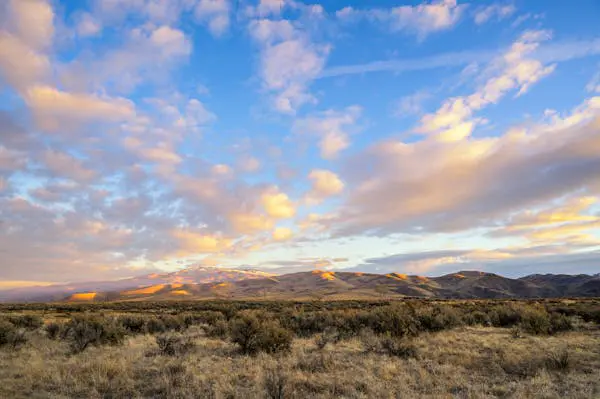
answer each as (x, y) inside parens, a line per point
(145, 54)
(325, 184)
(64, 165)
(191, 242)
(493, 11)
(514, 69)
(282, 234)
(245, 223)
(87, 25)
(215, 13)
(32, 22)
(25, 36)
(54, 108)
(278, 205)
(289, 61)
(515, 264)
(548, 53)
(432, 185)
(420, 20)
(331, 127)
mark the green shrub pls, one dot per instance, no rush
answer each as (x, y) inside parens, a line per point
(395, 320)
(172, 345)
(474, 318)
(535, 321)
(505, 316)
(85, 331)
(438, 318)
(254, 335)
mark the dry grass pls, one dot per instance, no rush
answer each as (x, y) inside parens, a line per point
(468, 362)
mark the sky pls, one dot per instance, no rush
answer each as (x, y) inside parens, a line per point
(406, 136)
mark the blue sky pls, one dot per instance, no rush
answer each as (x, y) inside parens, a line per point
(406, 136)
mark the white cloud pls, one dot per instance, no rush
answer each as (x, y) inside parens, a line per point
(32, 21)
(515, 69)
(278, 205)
(282, 234)
(289, 62)
(87, 25)
(331, 127)
(55, 109)
(324, 184)
(420, 20)
(497, 11)
(215, 13)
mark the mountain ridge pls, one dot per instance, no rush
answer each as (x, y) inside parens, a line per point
(200, 282)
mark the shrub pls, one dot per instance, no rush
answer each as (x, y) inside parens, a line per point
(396, 320)
(477, 317)
(369, 340)
(329, 336)
(535, 321)
(400, 347)
(559, 361)
(11, 336)
(275, 382)
(172, 345)
(505, 316)
(52, 330)
(560, 323)
(154, 326)
(220, 329)
(29, 322)
(254, 335)
(83, 331)
(173, 323)
(133, 324)
(438, 318)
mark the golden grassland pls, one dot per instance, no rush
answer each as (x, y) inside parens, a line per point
(461, 360)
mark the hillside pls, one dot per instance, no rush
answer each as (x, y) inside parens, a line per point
(213, 283)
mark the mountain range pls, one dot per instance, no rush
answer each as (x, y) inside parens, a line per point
(214, 283)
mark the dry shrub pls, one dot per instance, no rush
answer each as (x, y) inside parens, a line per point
(133, 324)
(219, 329)
(535, 321)
(329, 336)
(10, 336)
(28, 322)
(315, 362)
(254, 335)
(275, 383)
(399, 347)
(174, 345)
(559, 360)
(85, 331)
(560, 323)
(52, 330)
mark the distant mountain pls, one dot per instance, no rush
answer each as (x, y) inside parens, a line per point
(98, 290)
(211, 283)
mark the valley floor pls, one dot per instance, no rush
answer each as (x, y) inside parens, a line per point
(466, 362)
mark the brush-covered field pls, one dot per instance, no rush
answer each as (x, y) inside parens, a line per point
(346, 349)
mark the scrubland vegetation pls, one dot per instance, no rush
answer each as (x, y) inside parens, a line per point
(349, 349)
